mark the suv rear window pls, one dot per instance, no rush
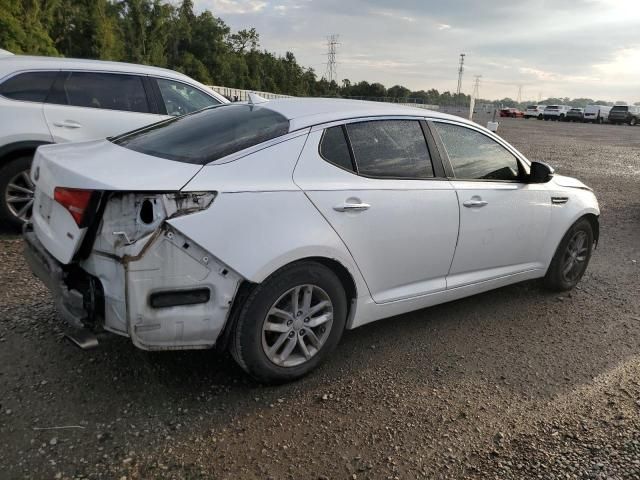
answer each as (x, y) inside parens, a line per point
(28, 86)
(620, 108)
(208, 135)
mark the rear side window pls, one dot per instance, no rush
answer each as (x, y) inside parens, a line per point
(28, 86)
(390, 148)
(474, 156)
(109, 91)
(334, 148)
(208, 135)
(180, 98)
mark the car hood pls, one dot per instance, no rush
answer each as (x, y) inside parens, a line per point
(569, 182)
(102, 165)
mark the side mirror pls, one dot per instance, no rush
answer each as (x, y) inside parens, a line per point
(540, 172)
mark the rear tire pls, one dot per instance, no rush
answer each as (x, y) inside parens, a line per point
(276, 340)
(571, 258)
(633, 122)
(16, 192)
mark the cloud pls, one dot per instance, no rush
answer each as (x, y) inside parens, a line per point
(563, 48)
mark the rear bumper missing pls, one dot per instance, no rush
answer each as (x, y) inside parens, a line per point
(69, 302)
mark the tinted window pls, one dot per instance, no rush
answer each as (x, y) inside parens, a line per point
(390, 148)
(207, 135)
(475, 156)
(29, 87)
(620, 108)
(180, 98)
(108, 91)
(334, 148)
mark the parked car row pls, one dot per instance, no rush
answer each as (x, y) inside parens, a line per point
(617, 114)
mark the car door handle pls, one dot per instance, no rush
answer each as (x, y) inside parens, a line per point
(475, 203)
(352, 207)
(67, 124)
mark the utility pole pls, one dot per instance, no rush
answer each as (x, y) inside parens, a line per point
(460, 71)
(476, 86)
(519, 94)
(331, 73)
(475, 95)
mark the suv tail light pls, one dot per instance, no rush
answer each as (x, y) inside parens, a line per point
(74, 200)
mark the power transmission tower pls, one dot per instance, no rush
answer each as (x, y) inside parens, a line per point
(460, 71)
(476, 86)
(331, 73)
(519, 93)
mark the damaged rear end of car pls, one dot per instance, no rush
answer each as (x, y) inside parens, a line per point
(134, 274)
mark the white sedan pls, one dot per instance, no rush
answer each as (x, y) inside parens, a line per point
(270, 227)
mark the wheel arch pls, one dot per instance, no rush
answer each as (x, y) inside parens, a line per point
(15, 150)
(246, 287)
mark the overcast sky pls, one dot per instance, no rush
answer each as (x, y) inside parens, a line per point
(573, 48)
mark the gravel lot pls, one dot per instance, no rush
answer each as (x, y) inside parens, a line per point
(515, 383)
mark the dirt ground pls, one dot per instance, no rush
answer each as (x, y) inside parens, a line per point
(515, 383)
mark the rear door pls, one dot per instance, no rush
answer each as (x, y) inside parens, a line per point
(95, 105)
(503, 220)
(375, 183)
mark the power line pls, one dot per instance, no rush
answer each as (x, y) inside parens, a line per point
(460, 71)
(331, 73)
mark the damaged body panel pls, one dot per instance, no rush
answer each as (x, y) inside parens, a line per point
(135, 255)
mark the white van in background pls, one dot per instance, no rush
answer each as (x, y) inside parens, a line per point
(596, 113)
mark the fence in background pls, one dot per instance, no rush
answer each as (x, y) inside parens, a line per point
(461, 110)
(239, 95)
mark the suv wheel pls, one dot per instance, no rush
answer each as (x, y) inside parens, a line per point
(633, 121)
(290, 323)
(16, 192)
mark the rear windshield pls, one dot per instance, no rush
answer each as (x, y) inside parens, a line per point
(208, 135)
(620, 108)
(532, 107)
(552, 107)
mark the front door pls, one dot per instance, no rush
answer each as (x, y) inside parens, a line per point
(503, 220)
(374, 183)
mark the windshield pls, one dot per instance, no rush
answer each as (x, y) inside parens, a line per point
(208, 135)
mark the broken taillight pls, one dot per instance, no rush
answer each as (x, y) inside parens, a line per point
(74, 200)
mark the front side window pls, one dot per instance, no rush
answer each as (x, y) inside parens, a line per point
(109, 91)
(208, 135)
(390, 149)
(180, 98)
(475, 156)
(334, 148)
(28, 86)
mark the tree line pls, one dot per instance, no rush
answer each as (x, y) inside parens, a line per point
(201, 45)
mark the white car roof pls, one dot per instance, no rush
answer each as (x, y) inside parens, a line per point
(14, 63)
(307, 112)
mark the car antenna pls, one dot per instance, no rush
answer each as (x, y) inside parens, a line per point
(254, 99)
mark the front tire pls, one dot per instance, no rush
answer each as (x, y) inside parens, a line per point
(571, 258)
(16, 192)
(290, 323)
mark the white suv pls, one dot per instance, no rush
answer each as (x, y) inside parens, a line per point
(52, 100)
(556, 112)
(535, 111)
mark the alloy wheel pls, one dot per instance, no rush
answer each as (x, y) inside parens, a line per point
(575, 257)
(297, 325)
(19, 195)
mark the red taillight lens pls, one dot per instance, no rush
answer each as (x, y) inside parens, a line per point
(74, 200)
